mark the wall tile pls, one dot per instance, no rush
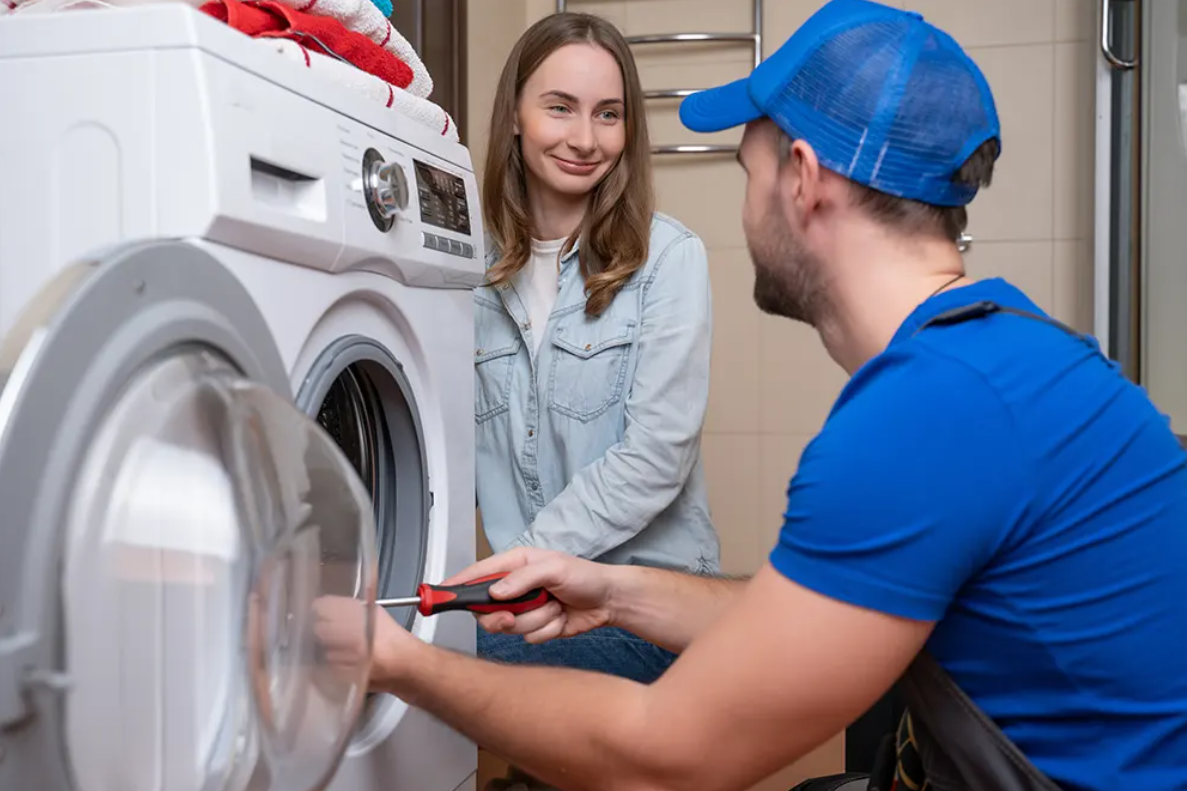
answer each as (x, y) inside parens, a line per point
(732, 471)
(613, 10)
(1075, 20)
(651, 17)
(1073, 284)
(779, 456)
(663, 115)
(1074, 137)
(782, 18)
(1018, 205)
(535, 10)
(493, 26)
(976, 23)
(800, 381)
(705, 193)
(734, 383)
(1027, 265)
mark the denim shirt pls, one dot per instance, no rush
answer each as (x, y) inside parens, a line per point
(592, 446)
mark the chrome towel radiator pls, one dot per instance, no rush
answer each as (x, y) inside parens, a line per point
(754, 38)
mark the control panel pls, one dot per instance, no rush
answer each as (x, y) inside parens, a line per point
(442, 199)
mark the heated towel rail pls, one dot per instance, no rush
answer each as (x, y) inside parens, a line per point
(754, 38)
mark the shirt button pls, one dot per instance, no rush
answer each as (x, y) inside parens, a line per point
(531, 433)
(588, 346)
(535, 486)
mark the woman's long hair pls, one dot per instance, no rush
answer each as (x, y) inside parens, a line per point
(617, 226)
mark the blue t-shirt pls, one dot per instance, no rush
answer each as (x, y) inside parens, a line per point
(1001, 477)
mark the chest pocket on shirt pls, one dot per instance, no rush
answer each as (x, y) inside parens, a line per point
(494, 358)
(589, 366)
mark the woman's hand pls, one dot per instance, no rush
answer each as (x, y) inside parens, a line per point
(582, 590)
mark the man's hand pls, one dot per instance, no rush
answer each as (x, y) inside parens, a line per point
(583, 590)
(341, 628)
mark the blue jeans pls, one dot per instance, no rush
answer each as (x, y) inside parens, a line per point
(607, 650)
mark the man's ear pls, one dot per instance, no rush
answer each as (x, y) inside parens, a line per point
(799, 179)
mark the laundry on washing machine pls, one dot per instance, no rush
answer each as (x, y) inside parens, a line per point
(270, 19)
(334, 56)
(422, 110)
(364, 17)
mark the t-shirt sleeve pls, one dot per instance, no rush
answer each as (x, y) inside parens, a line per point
(908, 489)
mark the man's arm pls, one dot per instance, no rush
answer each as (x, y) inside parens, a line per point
(664, 607)
(781, 672)
(668, 608)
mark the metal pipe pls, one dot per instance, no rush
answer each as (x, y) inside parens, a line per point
(677, 38)
(673, 93)
(694, 149)
(1106, 35)
(418, 23)
(757, 32)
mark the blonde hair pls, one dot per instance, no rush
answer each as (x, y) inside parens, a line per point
(616, 230)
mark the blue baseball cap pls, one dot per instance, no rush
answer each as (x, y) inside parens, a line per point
(882, 96)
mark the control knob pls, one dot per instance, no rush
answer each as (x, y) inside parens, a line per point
(385, 188)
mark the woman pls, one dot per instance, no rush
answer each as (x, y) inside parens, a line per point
(592, 335)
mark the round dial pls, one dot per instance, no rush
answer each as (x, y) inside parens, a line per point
(385, 188)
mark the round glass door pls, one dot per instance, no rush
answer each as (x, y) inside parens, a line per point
(211, 515)
(176, 530)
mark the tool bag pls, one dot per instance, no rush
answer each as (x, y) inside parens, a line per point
(944, 742)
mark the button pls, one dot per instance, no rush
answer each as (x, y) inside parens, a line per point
(531, 432)
(455, 246)
(535, 486)
(588, 346)
(468, 250)
(429, 240)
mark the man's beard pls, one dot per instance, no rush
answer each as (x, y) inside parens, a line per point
(788, 279)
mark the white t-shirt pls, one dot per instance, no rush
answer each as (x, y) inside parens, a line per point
(537, 284)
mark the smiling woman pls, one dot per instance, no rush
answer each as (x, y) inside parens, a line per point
(592, 335)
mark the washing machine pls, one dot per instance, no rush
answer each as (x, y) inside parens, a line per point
(235, 302)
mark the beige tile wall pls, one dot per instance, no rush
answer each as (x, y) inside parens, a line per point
(772, 384)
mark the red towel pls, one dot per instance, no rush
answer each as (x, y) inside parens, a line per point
(321, 34)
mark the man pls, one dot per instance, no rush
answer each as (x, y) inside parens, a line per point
(987, 486)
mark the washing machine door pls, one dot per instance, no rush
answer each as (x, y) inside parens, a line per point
(170, 530)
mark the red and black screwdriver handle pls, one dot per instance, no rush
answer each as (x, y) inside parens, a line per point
(474, 595)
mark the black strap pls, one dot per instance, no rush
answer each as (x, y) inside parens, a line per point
(960, 748)
(952, 743)
(978, 310)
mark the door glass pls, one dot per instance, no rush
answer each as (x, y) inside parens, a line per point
(210, 515)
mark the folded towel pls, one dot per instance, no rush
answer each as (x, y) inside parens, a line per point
(385, 6)
(265, 19)
(403, 102)
(362, 16)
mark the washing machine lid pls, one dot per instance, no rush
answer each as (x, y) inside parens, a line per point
(169, 524)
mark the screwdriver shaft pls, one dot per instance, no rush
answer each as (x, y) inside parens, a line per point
(407, 601)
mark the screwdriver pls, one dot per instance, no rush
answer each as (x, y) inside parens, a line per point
(473, 596)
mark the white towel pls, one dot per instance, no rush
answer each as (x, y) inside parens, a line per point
(403, 102)
(362, 16)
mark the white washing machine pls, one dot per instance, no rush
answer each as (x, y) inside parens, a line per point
(188, 224)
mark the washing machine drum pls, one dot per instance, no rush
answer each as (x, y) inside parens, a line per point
(172, 532)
